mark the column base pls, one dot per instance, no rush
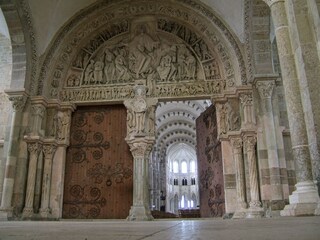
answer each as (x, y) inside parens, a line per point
(139, 213)
(255, 213)
(45, 213)
(27, 213)
(317, 211)
(239, 214)
(303, 201)
(6, 214)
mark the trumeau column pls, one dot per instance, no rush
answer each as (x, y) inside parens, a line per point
(34, 148)
(140, 138)
(49, 149)
(265, 89)
(236, 143)
(255, 210)
(304, 200)
(18, 103)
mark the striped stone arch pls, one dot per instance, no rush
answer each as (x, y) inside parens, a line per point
(24, 54)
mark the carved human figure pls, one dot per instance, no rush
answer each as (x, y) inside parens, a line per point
(223, 119)
(142, 50)
(88, 74)
(98, 71)
(136, 107)
(190, 63)
(166, 69)
(122, 73)
(63, 124)
(233, 119)
(109, 66)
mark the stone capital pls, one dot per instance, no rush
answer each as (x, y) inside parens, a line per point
(246, 99)
(38, 110)
(34, 147)
(249, 142)
(140, 147)
(49, 149)
(18, 102)
(236, 142)
(265, 88)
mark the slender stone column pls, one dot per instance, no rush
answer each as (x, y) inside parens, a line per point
(255, 210)
(304, 199)
(236, 143)
(18, 103)
(34, 148)
(48, 150)
(140, 149)
(265, 89)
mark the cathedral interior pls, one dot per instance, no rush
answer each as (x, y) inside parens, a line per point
(144, 109)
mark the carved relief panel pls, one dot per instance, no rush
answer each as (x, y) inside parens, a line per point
(167, 57)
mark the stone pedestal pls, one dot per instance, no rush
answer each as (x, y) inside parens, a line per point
(303, 201)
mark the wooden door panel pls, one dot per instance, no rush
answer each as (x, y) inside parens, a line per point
(210, 168)
(99, 165)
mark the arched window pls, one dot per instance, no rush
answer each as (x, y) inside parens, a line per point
(184, 167)
(192, 166)
(182, 202)
(175, 167)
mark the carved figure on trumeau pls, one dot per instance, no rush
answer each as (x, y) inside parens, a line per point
(136, 112)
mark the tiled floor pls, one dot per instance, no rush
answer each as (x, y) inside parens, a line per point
(300, 228)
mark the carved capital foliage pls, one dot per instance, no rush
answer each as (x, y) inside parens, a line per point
(34, 148)
(236, 143)
(250, 142)
(18, 102)
(38, 110)
(246, 99)
(49, 150)
(265, 88)
(140, 149)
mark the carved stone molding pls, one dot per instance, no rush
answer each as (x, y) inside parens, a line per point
(265, 88)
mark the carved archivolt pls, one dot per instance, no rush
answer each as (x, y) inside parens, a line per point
(170, 49)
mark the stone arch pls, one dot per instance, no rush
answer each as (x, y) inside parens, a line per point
(24, 52)
(71, 42)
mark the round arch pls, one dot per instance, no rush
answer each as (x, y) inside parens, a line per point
(105, 26)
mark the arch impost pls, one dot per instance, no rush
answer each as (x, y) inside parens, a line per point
(270, 3)
(234, 93)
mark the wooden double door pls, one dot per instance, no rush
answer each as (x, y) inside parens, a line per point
(99, 165)
(210, 168)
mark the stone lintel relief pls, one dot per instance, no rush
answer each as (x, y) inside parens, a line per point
(167, 57)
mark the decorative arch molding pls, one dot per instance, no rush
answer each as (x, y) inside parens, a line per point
(185, 23)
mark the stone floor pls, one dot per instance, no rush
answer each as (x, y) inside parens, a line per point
(302, 228)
